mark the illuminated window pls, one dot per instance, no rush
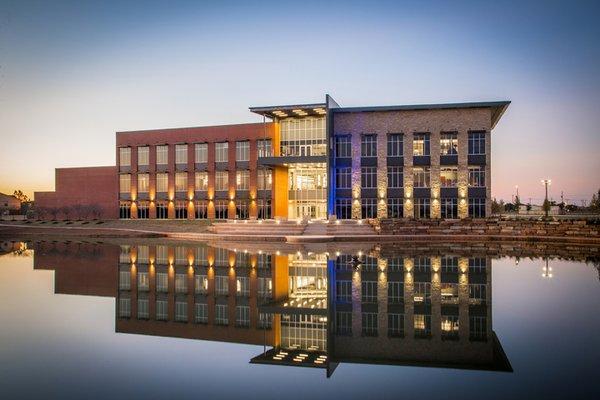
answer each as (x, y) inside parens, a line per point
(181, 179)
(242, 180)
(201, 181)
(477, 176)
(449, 144)
(265, 179)
(125, 183)
(422, 325)
(343, 178)
(221, 180)
(368, 146)
(143, 183)
(448, 176)
(421, 144)
(221, 152)
(242, 151)
(181, 153)
(265, 287)
(143, 154)
(476, 143)
(162, 182)
(343, 146)
(421, 177)
(395, 177)
(162, 154)
(264, 148)
(395, 145)
(125, 156)
(303, 137)
(201, 153)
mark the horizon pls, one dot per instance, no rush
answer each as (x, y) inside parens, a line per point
(75, 74)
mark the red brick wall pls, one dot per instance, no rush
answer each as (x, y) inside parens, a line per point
(83, 186)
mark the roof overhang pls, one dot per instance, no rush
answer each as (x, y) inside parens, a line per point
(292, 110)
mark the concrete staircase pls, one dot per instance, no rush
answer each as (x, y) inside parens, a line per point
(266, 229)
(339, 228)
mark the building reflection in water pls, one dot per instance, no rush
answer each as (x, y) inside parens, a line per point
(311, 309)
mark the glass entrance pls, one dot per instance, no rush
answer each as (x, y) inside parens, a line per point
(307, 191)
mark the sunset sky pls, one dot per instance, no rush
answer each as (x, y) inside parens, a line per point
(73, 73)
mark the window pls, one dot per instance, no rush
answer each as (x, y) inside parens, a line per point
(181, 210)
(368, 146)
(242, 179)
(369, 324)
(201, 313)
(143, 210)
(265, 287)
(201, 255)
(181, 182)
(476, 143)
(477, 291)
(449, 326)
(125, 156)
(162, 210)
(181, 283)
(343, 291)
(422, 292)
(241, 209)
(477, 328)
(162, 155)
(181, 153)
(448, 176)
(449, 208)
(242, 316)
(368, 177)
(162, 254)
(303, 137)
(201, 153)
(162, 310)
(343, 208)
(142, 311)
(264, 179)
(124, 280)
(449, 144)
(221, 180)
(201, 181)
(422, 325)
(221, 209)
(395, 145)
(421, 144)
(343, 178)
(368, 208)
(477, 176)
(421, 177)
(265, 320)
(125, 183)
(142, 282)
(201, 209)
(264, 148)
(369, 291)
(395, 325)
(124, 308)
(477, 265)
(395, 177)
(242, 151)
(477, 208)
(221, 150)
(124, 209)
(395, 264)
(264, 208)
(395, 292)
(162, 282)
(221, 257)
(395, 208)
(422, 207)
(343, 146)
(180, 311)
(343, 323)
(143, 154)
(222, 314)
(162, 182)
(143, 183)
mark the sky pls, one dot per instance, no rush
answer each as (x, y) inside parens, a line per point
(72, 73)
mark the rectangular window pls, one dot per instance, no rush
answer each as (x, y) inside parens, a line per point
(343, 208)
(124, 280)
(222, 285)
(181, 209)
(449, 176)
(369, 291)
(369, 324)
(125, 156)
(143, 154)
(343, 291)
(180, 311)
(343, 323)
(476, 143)
(395, 208)
(422, 264)
(265, 320)
(162, 282)
(368, 208)
(395, 292)
(449, 208)
(343, 146)
(421, 177)
(143, 183)
(477, 328)
(201, 153)
(368, 146)
(162, 182)
(368, 177)
(181, 182)
(242, 180)
(142, 310)
(395, 177)
(242, 316)
(201, 181)
(477, 208)
(181, 153)
(264, 148)
(449, 326)
(162, 254)
(264, 208)
(221, 209)
(162, 307)
(477, 265)
(422, 325)
(124, 308)
(242, 151)
(221, 152)
(201, 313)
(221, 257)
(449, 144)
(242, 210)
(143, 282)
(265, 287)
(477, 291)
(422, 208)
(421, 144)
(395, 325)
(181, 283)
(264, 179)
(477, 176)
(422, 292)
(395, 145)
(162, 210)
(200, 284)
(222, 314)
(125, 183)
(343, 178)
(162, 155)
(221, 180)
(242, 283)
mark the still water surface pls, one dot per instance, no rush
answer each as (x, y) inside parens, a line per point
(167, 319)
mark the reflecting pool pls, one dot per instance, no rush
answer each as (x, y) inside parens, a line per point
(155, 318)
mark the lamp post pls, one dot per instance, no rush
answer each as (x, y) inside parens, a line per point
(546, 183)
(546, 270)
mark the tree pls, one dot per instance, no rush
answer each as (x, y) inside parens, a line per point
(21, 196)
(595, 202)
(517, 202)
(497, 207)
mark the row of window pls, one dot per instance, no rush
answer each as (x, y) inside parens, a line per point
(395, 177)
(242, 153)
(421, 209)
(242, 181)
(421, 144)
(181, 209)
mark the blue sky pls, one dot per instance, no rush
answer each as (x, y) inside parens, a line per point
(73, 73)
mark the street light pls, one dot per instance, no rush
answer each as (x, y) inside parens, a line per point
(546, 183)
(546, 270)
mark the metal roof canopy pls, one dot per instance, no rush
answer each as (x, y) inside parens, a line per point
(291, 110)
